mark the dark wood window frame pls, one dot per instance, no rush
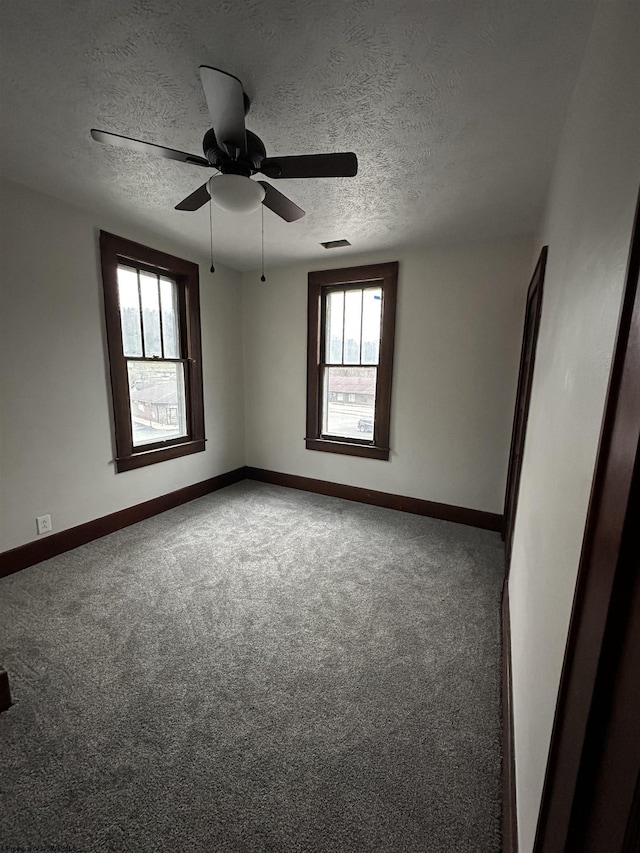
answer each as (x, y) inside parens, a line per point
(116, 250)
(386, 277)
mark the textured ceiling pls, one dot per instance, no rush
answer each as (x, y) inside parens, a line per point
(453, 107)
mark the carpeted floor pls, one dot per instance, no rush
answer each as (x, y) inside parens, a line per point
(260, 671)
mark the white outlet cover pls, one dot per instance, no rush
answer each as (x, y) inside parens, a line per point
(43, 524)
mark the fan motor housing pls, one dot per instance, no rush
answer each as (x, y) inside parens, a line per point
(247, 164)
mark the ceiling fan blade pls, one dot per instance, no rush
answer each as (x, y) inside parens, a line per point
(311, 166)
(196, 200)
(280, 204)
(225, 99)
(147, 147)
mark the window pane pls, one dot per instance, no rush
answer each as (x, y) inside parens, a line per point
(157, 400)
(150, 314)
(129, 311)
(352, 326)
(371, 315)
(335, 316)
(170, 321)
(349, 402)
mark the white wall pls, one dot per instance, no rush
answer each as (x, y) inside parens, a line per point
(457, 342)
(56, 446)
(458, 334)
(588, 229)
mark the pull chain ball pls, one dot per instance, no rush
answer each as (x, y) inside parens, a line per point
(212, 268)
(262, 278)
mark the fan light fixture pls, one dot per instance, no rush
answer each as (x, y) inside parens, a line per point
(235, 193)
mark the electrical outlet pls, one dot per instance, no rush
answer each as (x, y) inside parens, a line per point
(43, 523)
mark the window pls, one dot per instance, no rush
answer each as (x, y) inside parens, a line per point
(153, 334)
(350, 359)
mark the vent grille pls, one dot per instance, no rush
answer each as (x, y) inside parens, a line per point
(335, 244)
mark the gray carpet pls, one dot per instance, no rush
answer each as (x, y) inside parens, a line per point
(259, 671)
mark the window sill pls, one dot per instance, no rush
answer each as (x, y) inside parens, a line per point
(150, 457)
(348, 448)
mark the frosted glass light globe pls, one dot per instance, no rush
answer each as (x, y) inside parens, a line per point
(235, 193)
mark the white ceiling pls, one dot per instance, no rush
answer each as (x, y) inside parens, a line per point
(454, 108)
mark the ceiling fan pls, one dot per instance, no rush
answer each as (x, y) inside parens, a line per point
(238, 154)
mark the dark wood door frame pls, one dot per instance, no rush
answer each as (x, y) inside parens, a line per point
(586, 795)
(523, 398)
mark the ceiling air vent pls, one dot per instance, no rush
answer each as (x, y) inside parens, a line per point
(335, 244)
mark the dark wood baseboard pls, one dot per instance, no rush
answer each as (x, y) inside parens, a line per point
(509, 805)
(58, 543)
(446, 512)
(5, 692)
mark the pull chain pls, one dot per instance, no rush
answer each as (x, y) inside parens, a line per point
(262, 277)
(213, 269)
